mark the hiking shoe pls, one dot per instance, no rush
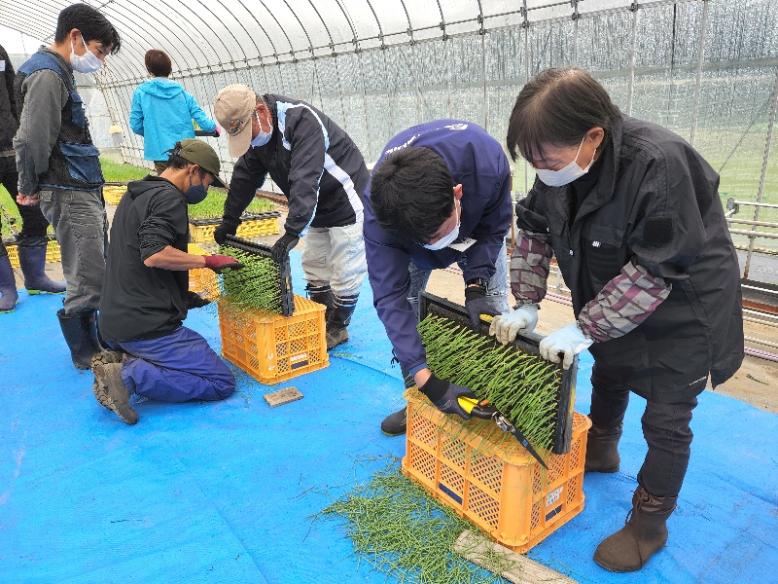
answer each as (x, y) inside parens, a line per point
(110, 391)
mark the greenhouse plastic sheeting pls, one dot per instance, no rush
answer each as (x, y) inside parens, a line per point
(229, 491)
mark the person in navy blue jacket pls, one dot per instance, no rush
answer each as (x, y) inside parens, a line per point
(439, 194)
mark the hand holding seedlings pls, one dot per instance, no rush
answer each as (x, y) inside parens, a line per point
(217, 263)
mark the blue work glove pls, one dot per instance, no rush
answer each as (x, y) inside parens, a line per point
(478, 303)
(566, 342)
(506, 327)
(444, 394)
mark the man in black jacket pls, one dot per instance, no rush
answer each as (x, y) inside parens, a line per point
(321, 171)
(146, 292)
(32, 239)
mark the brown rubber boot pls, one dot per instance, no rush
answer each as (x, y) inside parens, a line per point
(602, 452)
(108, 387)
(644, 534)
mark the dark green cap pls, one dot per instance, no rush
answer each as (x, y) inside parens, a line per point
(200, 153)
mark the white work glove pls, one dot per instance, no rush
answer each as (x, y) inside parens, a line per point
(568, 341)
(506, 326)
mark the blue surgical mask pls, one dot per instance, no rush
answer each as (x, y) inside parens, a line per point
(86, 63)
(263, 137)
(447, 239)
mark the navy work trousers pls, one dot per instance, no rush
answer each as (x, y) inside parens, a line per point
(176, 367)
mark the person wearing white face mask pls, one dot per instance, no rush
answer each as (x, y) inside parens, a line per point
(439, 195)
(320, 171)
(632, 213)
(59, 166)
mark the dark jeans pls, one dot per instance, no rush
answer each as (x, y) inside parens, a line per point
(665, 428)
(34, 224)
(81, 227)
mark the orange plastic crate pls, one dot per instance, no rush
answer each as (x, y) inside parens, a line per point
(53, 254)
(203, 281)
(247, 229)
(113, 194)
(271, 347)
(487, 477)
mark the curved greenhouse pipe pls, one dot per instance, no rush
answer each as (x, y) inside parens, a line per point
(35, 27)
(302, 26)
(281, 28)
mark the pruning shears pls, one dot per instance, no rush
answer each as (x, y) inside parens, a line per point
(482, 409)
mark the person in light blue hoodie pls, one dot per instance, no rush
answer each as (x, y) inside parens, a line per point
(162, 111)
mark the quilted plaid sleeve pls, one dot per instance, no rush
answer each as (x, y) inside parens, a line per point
(623, 303)
(529, 266)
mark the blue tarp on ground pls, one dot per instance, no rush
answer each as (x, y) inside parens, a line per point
(227, 492)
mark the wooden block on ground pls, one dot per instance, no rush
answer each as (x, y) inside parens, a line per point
(517, 568)
(282, 396)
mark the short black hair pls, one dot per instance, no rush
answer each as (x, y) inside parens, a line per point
(158, 63)
(92, 24)
(412, 193)
(558, 107)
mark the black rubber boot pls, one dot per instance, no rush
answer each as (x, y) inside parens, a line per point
(89, 320)
(602, 449)
(644, 534)
(340, 317)
(323, 295)
(395, 424)
(109, 389)
(8, 295)
(79, 337)
(32, 259)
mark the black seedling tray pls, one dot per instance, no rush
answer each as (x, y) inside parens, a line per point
(563, 431)
(244, 217)
(284, 269)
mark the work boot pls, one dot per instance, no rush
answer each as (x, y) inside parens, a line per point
(321, 294)
(340, 317)
(8, 295)
(32, 259)
(110, 391)
(644, 534)
(78, 335)
(602, 452)
(105, 358)
(394, 424)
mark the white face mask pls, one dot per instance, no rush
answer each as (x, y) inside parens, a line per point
(566, 175)
(447, 239)
(86, 63)
(263, 137)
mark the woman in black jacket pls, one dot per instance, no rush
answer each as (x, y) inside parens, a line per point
(632, 213)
